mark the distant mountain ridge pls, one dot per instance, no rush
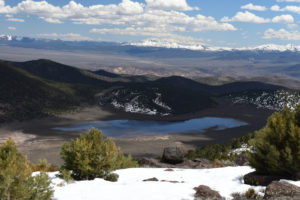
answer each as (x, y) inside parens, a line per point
(159, 44)
(200, 47)
(268, 61)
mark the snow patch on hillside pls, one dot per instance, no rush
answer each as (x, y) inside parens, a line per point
(134, 107)
(274, 100)
(159, 102)
(242, 149)
(137, 102)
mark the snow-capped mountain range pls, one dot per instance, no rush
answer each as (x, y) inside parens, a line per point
(175, 45)
(6, 37)
(200, 47)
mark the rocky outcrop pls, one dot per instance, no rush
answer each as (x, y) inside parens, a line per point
(282, 191)
(204, 192)
(257, 179)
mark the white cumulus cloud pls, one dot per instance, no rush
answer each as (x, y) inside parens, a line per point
(12, 28)
(283, 19)
(252, 18)
(288, 1)
(246, 17)
(170, 5)
(176, 23)
(275, 8)
(294, 9)
(52, 20)
(250, 6)
(129, 7)
(65, 36)
(282, 34)
(15, 20)
(127, 13)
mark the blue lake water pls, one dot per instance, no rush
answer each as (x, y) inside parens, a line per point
(133, 128)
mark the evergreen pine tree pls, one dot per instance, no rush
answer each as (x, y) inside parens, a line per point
(92, 156)
(15, 173)
(16, 181)
(40, 189)
(276, 147)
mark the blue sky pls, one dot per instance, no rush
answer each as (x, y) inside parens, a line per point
(231, 23)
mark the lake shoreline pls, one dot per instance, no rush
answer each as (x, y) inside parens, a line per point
(138, 128)
(37, 139)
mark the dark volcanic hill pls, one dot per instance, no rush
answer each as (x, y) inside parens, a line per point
(25, 96)
(234, 87)
(41, 87)
(54, 71)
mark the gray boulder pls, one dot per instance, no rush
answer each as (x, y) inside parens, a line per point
(204, 192)
(173, 155)
(282, 191)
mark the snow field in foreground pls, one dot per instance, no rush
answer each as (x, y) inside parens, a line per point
(131, 186)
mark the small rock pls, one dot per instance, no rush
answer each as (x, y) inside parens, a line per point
(204, 192)
(151, 179)
(170, 181)
(282, 191)
(173, 155)
(169, 170)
